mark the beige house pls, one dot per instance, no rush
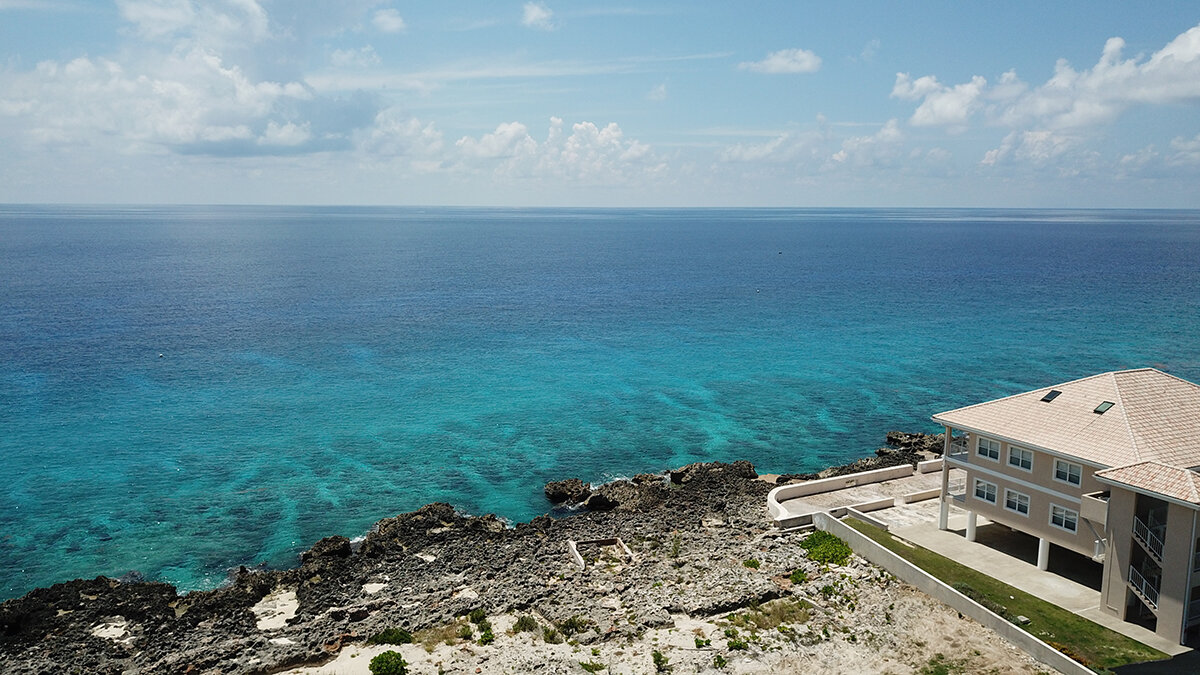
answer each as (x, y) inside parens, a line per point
(1107, 467)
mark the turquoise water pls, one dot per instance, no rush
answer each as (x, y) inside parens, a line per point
(322, 368)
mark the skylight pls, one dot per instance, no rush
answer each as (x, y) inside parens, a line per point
(1051, 395)
(1103, 407)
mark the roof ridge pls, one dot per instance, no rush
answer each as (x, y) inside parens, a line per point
(1137, 446)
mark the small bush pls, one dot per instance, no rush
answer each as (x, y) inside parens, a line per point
(551, 636)
(388, 663)
(676, 545)
(592, 666)
(525, 623)
(826, 548)
(798, 577)
(391, 636)
(573, 625)
(719, 662)
(465, 632)
(737, 644)
(702, 643)
(487, 637)
(752, 563)
(477, 615)
(661, 662)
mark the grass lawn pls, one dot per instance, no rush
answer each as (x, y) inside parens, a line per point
(1085, 641)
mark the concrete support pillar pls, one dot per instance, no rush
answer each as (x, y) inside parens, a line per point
(944, 513)
(1043, 553)
(970, 526)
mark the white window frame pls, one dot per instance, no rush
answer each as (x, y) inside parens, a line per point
(1018, 495)
(1067, 514)
(995, 491)
(979, 452)
(1069, 466)
(1021, 453)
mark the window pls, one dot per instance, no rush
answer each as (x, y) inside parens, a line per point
(1067, 472)
(1103, 407)
(1020, 458)
(985, 491)
(1016, 501)
(986, 447)
(1064, 518)
(1051, 395)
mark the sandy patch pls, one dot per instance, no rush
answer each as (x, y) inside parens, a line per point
(373, 588)
(114, 628)
(276, 609)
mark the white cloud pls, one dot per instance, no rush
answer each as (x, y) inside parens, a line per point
(214, 23)
(784, 148)
(537, 15)
(1037, 147)
(394, 133)
(588, 154)
(881, 147)
(388, 21)
(942, 105)
(784, 62)
(658, 93)
(509, 140)
(870, 50)
(289, 134)
(1070, 99)
(363, 57)
(188, 98)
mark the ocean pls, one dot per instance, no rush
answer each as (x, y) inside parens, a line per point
(188, 389)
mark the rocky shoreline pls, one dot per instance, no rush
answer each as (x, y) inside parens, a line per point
(690, 548)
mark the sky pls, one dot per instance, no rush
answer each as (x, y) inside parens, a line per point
(646, 103)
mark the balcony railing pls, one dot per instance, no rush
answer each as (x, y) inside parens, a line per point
(1148, 538)
(1143, 588)
(958, 451)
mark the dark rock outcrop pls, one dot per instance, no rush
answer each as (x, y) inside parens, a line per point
(570, 491)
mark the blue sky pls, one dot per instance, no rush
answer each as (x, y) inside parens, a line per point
(1066, 104)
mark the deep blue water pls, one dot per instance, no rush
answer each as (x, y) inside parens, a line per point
(325, 367)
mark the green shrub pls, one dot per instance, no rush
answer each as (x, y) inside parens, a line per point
(388, 663)
(465, 632)
(487, 637)
(477, 615)
(798, 577)
(525, 623)
(661, 662)
(719, 662)
(676, 545)
(592, 666)
(391, 636)
(826, 548)
(737, 644)
(551, 636)
(752, 563)
(702, 643)
(573, 625)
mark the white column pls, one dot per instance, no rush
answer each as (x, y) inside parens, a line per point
(944, 514)
(1043, 553)
(970, 526)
